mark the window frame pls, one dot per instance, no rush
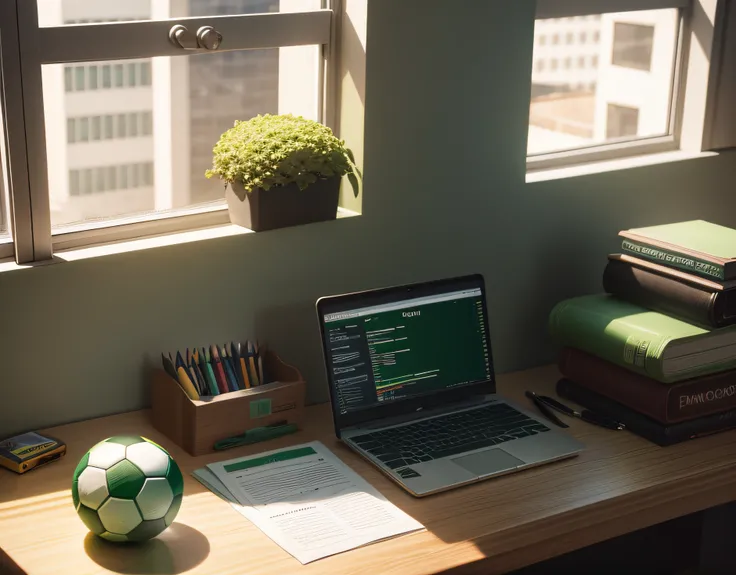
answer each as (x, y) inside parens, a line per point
(679, 87)
(26, 47)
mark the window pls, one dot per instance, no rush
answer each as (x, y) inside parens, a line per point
(147, 124)
(74, 183)
(145, 74)
(103, 89)
(633, 45)
(107, 128)
(542, 40)
(84, 129)
(553, 64)
(112, 178)
(122, 131)
(540, 65)
(71, 131)
(123, 177)
(96, 128)
(132, 76)
(119, 76)
(568, 124)
(621, 121)
(555, 38)
(92, 77)
(569, 38)
(79, 78)
(106, 77)
(100, 179)
(132, 125)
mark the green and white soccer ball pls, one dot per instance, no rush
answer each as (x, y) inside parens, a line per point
(127, 488)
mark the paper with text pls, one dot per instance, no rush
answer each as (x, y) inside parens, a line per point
(307, 500)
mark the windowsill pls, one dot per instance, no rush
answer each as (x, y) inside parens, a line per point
(144, 244)
(590, 168)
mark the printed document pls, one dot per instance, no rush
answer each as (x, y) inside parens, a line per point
(307, 500)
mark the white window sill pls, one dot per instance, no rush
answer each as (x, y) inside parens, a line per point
(613, 165)
(144, 244)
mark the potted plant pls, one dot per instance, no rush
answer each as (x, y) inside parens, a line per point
(282, 171)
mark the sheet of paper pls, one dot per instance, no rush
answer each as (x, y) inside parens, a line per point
(308, 501)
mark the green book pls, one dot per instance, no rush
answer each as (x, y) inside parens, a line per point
(699, 247)
(644, 341)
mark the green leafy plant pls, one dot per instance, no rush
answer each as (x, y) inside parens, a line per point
(269, 150)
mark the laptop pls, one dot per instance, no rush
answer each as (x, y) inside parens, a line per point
(413, 390)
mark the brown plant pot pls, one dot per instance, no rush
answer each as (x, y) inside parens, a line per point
(283, 206)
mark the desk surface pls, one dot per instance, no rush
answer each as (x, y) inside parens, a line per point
(619, 484)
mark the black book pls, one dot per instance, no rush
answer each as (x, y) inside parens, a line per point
(671, 292)
(641, 424)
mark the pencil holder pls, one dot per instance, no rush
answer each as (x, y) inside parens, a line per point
(195, 425)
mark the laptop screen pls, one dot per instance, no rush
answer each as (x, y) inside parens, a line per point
(389, 346)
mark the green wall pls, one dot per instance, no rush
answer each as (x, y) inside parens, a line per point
(446, 104)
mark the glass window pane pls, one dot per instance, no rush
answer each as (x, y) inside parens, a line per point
(122, 126)
(145, 73)
(92, 78)
(106, 77)
(112, 178)
(147, 123)
(632, 45)
(94, 11)
(133, 125)
(100, 179)
(214, 90)
(96, 128)
(79, 78)
(119, 75)
(74, 182)
(107, 127)
(133, 176)
(123, 177)
(68, 79)
(614, 83)
(148, 174)
(71, 134)
(86, 182)
(83, 129)
(132, 81)
(622, 121)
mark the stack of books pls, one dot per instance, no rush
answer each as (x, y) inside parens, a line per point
(657, 352)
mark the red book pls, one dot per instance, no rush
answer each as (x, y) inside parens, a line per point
(219, 371)
(666, 403)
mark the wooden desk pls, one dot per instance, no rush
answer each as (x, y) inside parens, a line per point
(621, 483)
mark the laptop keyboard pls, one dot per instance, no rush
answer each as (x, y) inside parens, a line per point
(448, 435)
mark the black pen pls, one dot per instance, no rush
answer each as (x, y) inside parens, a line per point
(545, 410)
(585, 414)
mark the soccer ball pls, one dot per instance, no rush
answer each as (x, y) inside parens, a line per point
(127, 488)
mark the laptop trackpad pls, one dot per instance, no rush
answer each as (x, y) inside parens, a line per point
(488, 462)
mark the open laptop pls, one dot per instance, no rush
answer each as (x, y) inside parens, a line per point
(413, 390)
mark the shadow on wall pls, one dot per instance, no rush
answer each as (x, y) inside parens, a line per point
(283, 328)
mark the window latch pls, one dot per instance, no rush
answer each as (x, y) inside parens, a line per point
(206, 38)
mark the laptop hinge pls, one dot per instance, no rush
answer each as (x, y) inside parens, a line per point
(424, 413)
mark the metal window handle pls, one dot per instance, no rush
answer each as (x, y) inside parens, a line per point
(209, 38)
(183, 38)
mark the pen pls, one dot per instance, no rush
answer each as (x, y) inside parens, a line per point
(545, 410)
(585, 414)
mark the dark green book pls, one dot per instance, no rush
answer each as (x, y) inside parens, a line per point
(641, 340)
(698, 247)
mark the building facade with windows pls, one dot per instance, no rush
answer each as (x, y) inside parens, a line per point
(136, 136)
